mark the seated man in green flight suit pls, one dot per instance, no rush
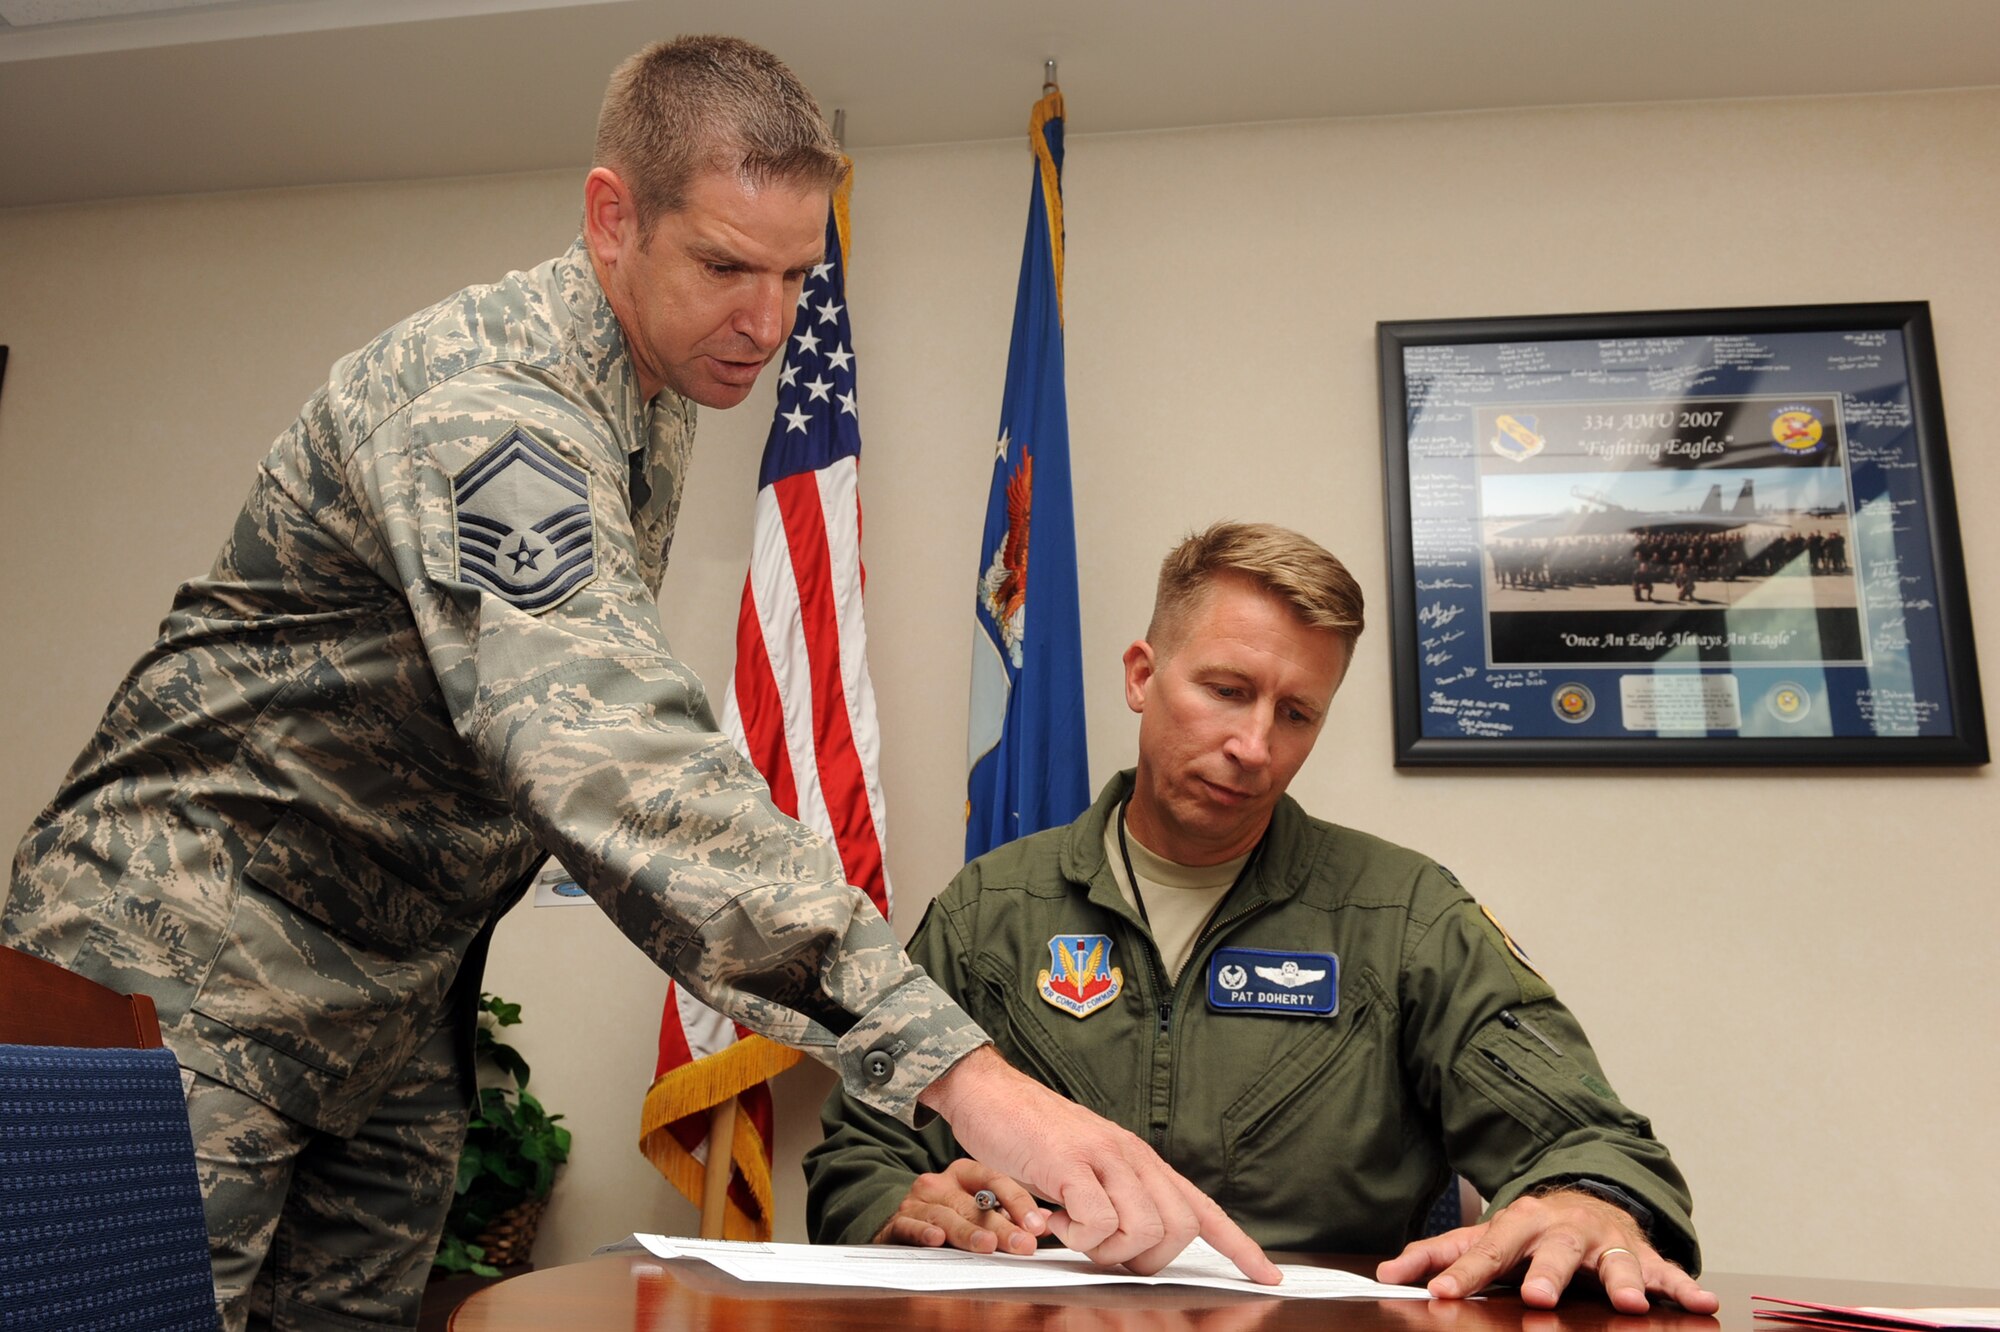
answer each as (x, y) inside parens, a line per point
(1313, 1025)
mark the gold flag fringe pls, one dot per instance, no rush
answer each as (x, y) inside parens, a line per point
(693, 1089)
(1049, 108)
(841, 194)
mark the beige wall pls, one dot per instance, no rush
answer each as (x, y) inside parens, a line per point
(1791, 971)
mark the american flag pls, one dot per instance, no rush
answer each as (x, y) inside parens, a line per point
(801, 707)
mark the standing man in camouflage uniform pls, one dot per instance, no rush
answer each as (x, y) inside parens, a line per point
(429, 656)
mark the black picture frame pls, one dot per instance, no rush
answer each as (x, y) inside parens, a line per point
(1720, 536)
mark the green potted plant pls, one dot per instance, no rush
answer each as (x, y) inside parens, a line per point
(505, 1172)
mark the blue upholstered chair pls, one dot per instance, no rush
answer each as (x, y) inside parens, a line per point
(100, 1208)
(1459, 1205)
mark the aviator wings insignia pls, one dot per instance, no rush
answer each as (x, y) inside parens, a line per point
(1291, 975)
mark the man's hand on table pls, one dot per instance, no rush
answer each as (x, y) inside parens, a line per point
(1555, 1235)
(941, 1209)
(1117, 1200)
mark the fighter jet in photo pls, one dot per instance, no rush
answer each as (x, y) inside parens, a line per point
(1602, 516)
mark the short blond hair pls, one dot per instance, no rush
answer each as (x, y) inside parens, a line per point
(682, 108)
(1294, 568)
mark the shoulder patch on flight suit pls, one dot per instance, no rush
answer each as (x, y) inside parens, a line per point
(523, 524)
(1533, 984)
(1080, 978)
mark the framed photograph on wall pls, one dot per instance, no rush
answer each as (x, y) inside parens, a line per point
(1701, 536)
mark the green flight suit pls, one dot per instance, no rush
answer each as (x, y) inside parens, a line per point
(1446, 1052)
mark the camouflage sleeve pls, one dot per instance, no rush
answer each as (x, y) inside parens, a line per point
(503, 511)
(863, 1168)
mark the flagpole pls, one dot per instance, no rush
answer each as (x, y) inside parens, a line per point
(716, 1170)
(1026, 757)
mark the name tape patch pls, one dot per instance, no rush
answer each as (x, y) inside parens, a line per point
(1256, 980)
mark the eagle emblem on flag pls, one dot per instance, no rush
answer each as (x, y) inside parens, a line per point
(1004, 586)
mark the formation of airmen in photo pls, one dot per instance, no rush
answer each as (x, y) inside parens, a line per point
(1647, 557)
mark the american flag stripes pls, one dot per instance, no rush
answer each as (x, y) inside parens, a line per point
(800, 705)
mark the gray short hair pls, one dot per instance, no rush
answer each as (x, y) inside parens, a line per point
(681, 108)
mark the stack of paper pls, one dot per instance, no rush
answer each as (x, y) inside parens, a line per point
(1871, 1318)
(887, 1267)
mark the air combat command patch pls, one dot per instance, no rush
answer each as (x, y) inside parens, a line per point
(523, 525)
(1080, 978)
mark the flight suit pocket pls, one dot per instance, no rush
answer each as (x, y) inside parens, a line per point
(1548, 1092)
(1290, 1085)
(341, 887)
(1327, 1099)
(1031, 1049)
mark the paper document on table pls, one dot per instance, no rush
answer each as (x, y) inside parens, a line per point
(1872, 1318)
(889, 1267)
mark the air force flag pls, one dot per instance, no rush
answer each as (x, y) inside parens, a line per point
(1025, 755)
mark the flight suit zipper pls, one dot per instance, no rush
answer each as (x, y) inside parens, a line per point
(1161, 1109)
(1562, 1113)
(1170, 996)
(1158, 1120)
(1506, 1069)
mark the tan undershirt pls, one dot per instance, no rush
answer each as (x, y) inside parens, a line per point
(1179, 898)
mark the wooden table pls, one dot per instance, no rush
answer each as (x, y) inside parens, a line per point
(638, 1293)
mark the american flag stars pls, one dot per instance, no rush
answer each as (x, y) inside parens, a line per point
(818, 370)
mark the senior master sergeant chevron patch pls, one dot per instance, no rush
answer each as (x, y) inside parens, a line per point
(523, 525)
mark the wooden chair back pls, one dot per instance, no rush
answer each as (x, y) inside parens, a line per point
(42, 1004)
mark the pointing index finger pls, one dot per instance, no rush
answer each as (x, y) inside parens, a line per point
(1228, 1239)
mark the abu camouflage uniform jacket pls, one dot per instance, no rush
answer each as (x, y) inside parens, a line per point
(429, 656)
(1327, 1132)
